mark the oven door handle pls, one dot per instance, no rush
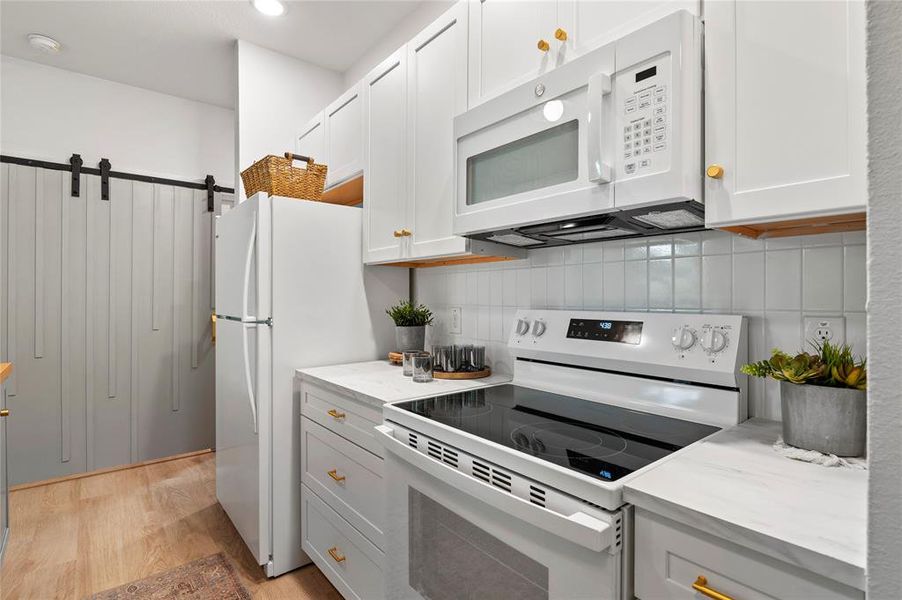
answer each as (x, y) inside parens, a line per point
(598, 92)
(580, 528)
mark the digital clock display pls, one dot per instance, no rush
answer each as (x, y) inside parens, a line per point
(624, 332)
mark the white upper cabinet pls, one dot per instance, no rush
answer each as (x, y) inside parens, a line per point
(785, 110)
(312, 139)
(503, 44)
(385, 142)
(436, 93)
(514, 41)
(344, 137)
(593, 23)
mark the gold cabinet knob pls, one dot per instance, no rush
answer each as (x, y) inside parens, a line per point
(397, 233)
(406, 233)
(4, 412)
(543, 46)
(335, 476)
(335, 414)
(714, 171)
(560, 34)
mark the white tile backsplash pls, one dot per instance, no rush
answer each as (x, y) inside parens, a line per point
(774, 283)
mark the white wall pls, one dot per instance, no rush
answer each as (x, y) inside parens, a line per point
(403, 32)
(885, 293)
(775, 283)
(49, 114)
(277, 94)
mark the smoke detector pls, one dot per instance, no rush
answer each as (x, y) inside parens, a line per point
(44, 43)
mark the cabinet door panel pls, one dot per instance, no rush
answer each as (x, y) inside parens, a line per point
(385, 183)
(785, 110)
(437, 91)
(344, 137)
(312, 139)
(503, 44)
(590, 25)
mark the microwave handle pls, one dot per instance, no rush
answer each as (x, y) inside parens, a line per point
(598, 94)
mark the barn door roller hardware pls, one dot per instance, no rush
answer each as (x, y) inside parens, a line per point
(210, 182)
(75, 161)
(104, 179)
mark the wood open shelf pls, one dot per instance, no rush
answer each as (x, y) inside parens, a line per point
(810, 226)
(347, 193)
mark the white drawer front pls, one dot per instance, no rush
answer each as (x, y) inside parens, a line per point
(670, 557)
(344, 415)
(352, 564)
(346, 476)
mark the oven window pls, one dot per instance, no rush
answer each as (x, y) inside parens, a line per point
(543, 159)
(450, 558)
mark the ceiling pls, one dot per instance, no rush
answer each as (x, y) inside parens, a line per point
(185, 47)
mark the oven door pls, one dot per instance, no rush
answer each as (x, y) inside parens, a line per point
(538, 152)
(450, 535)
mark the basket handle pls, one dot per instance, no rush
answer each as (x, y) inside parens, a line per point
(306, 159)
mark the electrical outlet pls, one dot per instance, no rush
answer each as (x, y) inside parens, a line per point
(820, 329)
(454, 326)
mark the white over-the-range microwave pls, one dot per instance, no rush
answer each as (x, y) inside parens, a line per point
(606, 146)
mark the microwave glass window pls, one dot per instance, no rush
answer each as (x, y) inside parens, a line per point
(538, 161)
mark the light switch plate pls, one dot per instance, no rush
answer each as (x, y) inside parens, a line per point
(819, 329)
(454, 326)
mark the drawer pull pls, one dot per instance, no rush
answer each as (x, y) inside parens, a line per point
(701, 586)
(335, 414)
(334, 475)
(339, 557)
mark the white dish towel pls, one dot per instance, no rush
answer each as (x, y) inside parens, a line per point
(819, 458)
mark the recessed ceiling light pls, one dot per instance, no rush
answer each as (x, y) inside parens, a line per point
(270, 8)
(44, 43)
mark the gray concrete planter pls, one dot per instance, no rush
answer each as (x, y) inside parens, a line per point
(826, 419)
(408, 339)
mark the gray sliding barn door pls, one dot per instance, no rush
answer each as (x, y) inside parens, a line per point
(105, 310)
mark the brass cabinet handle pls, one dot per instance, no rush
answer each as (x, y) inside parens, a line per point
(406, 233)
(398, 233)
(714, 171)
(560, 34)
(335, 414)
(543, 46)
(213, 328)
(336, 555)
(334, 475)
(4, 412)
(701, 586)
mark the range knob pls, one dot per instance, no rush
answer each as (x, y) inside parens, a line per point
(713, 340)
(522, 326)
(538, 328)
(683, 338)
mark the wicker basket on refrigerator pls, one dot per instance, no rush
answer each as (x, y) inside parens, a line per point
(277, 176)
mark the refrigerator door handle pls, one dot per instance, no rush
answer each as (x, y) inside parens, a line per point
(248, 261)
(247, 373)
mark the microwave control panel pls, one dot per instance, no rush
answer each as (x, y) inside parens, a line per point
(644, 106)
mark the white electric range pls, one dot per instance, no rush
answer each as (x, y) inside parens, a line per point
(515, 491)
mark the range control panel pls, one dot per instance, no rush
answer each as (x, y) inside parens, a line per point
(644, 103)
(696, 347)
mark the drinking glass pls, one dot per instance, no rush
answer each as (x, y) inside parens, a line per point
(407, 361)
(443, 358)
(462, 355)
(422, 368)
(477, 358)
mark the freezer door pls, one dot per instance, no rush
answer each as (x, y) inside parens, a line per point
(243, 272)
(243, 431)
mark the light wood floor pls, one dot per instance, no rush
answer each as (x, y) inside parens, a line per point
(73, 538)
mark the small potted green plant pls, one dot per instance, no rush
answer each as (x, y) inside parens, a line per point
(823, 396)
(410, 325)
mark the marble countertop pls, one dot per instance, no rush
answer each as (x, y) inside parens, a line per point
(378, 382)
(733, 485)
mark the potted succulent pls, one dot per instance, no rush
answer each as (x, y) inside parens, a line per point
(410, 325)
(823, 396)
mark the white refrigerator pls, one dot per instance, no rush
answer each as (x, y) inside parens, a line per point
(291, 292)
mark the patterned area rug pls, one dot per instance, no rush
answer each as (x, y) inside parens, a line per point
(210, 578)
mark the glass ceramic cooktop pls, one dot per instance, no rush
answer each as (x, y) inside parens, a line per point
(600, 440)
